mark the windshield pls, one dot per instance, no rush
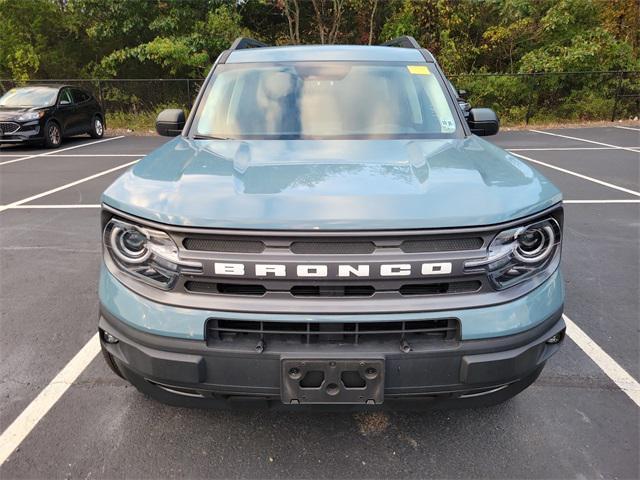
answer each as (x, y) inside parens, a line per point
(29, 97)
(324, 100)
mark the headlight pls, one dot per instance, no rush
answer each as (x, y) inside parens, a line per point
(521, 253)
(150, 255)
(25, 117)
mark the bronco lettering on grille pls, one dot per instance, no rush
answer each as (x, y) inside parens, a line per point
(322, 271)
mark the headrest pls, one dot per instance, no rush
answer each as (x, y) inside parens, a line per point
(276, 85)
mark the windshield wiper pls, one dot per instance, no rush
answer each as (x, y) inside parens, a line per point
(210, 137)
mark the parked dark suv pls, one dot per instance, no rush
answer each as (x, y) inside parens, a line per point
(47, 113)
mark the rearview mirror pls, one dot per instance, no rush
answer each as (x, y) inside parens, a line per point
(170, 122)
(483, 122)
(463, 94)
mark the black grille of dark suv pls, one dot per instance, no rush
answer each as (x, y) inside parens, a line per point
(8, 128)
(405, 334)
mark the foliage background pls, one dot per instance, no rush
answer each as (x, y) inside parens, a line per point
(125, 39)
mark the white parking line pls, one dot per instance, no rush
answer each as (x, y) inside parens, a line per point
(561, 149)
(63, 187)
(608, 365)
(579, 175)
(52, 152)
(15, 433)
(630, 149)
(628, 128)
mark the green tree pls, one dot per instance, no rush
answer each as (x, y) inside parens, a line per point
(176, 50)
(36, 40)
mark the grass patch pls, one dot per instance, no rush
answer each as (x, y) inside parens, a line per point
(132, 122)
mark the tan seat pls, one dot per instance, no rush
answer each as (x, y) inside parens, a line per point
(319, 112)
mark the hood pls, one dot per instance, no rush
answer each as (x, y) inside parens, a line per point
(331, 184)
(9, 113)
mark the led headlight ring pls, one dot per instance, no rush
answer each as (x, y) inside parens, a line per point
(534, 244)
(127, 253)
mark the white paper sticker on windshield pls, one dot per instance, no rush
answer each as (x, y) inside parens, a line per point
(448, 126)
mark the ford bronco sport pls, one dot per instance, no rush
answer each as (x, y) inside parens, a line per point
(327, 228)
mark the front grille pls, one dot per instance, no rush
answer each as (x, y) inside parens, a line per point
(406, 334)
(225, 288)
(332, 248)
(332, 291)
(441, 245)
(7, 128)
(335, 272)
(440, 288)
(230, 245)
(337, 246)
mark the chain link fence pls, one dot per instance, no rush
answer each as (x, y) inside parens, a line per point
(517, 98)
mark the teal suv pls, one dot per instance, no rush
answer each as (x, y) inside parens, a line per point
(327, 227)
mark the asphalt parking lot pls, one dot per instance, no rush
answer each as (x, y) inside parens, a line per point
(579, 420)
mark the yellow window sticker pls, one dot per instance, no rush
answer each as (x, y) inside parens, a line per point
(418, 70)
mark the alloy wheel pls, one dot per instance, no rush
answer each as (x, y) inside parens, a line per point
(54, 134)
(97, 126)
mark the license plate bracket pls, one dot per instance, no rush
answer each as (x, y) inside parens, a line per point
(332, 380)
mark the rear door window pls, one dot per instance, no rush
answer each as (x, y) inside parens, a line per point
(79, 96)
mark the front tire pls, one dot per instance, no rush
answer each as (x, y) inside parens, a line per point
(97, 127)
(52, 134)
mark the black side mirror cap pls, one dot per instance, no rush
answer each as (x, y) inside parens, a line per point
(170, 122)
(483, 122)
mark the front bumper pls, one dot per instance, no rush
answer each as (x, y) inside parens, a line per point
(29, 132)
(162, 366)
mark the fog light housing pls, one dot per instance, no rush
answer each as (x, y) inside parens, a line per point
(108, 338)
(555, 339)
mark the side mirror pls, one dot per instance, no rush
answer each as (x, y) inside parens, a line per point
(65, 102)
(463, 94)
(483, 122)
(170, 122)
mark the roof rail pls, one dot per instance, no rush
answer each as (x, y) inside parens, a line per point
(405, 41)
(241, 43)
